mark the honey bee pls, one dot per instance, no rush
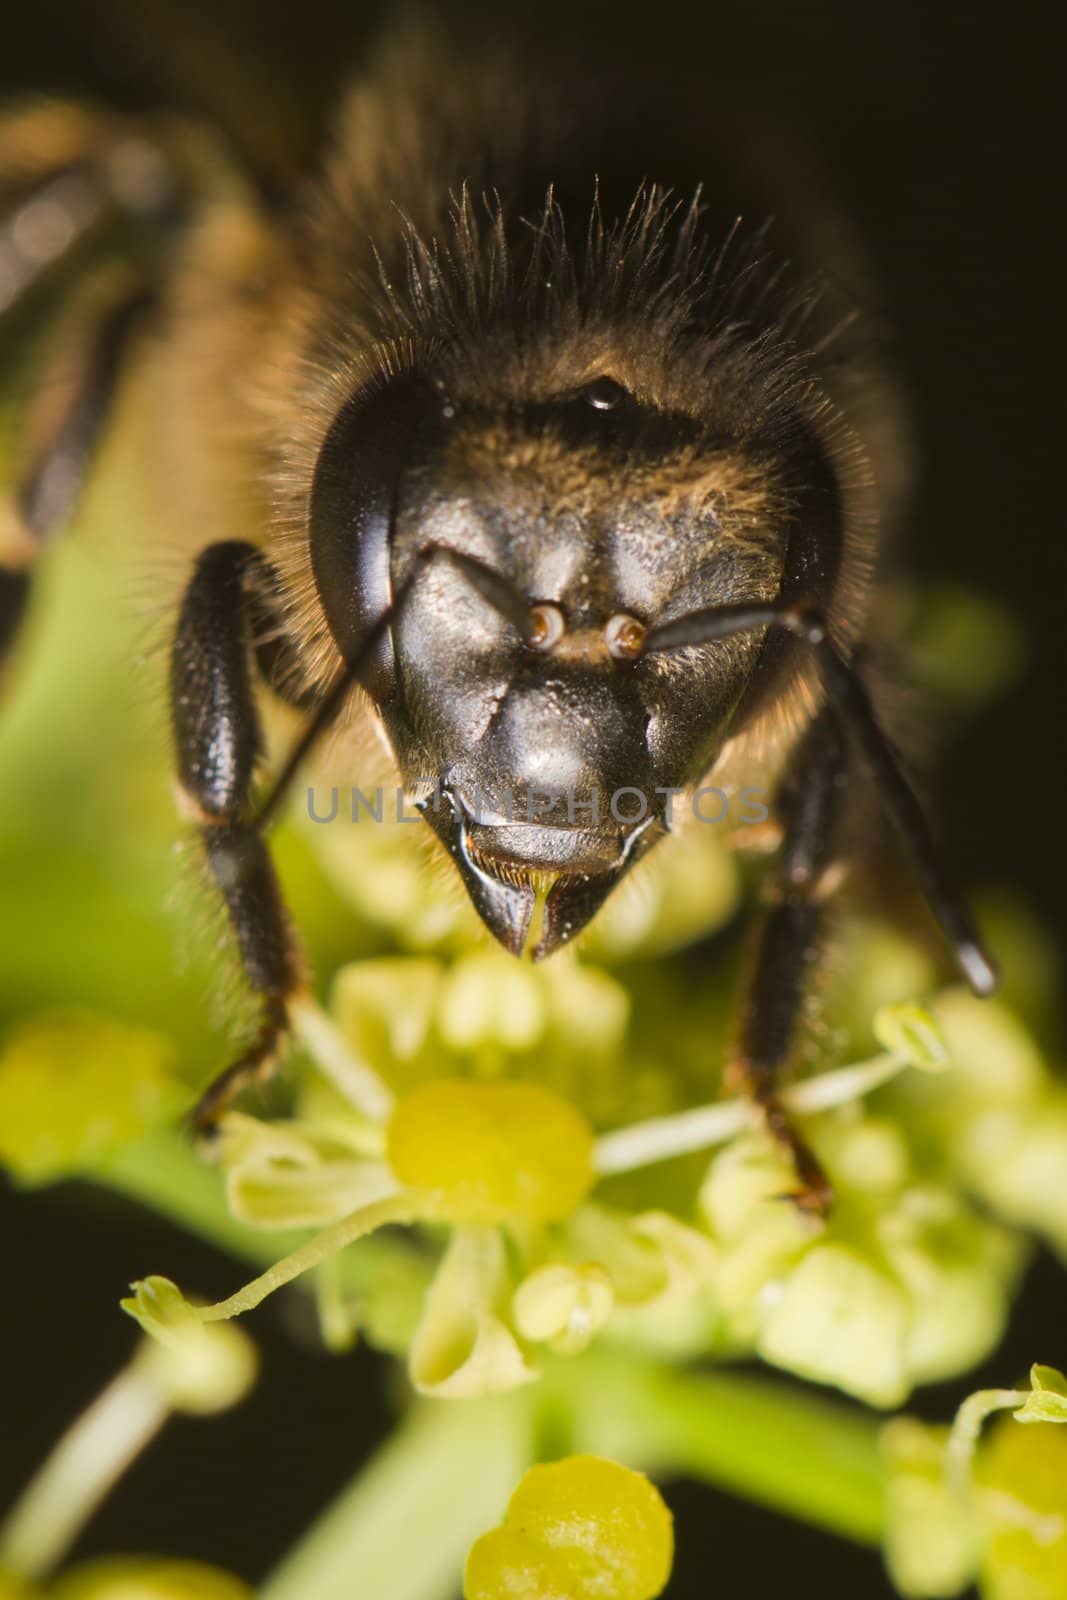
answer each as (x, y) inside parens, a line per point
(502, 427)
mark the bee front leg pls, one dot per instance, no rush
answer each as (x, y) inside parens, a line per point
(230, 613)
(788, 942)
(219, 744)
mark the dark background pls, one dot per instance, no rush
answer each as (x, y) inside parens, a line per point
(943, 144)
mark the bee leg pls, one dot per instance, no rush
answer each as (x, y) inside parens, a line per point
(67, 176)
(50, 478)
(219, 744)
(848, 694)
(787, 945)
(217, 733)
(46, 224)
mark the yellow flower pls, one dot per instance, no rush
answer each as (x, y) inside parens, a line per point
(429, 1109)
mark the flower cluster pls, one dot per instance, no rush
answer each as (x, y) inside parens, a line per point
(464, 1094)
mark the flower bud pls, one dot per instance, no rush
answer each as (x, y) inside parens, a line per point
(490, 998)
(563, 1306)
(759, 1235)
(385, 1009)
(841, 1321)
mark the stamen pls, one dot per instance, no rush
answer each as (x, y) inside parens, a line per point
(360, 1085)
(406, 1207)
(663, 1138)
(1044, 1401)
(963, 1438)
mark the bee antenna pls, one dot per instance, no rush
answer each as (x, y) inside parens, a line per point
(848, 694)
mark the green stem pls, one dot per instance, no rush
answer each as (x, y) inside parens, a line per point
(815, 1459)
(80, 1473)
(404, 1527)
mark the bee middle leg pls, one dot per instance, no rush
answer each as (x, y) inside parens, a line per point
(219, 745)
(68, 176)
(788, 941)
(63, 432)
(75, 185)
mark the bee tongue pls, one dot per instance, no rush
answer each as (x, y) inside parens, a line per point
(505, 907)
(571, 905)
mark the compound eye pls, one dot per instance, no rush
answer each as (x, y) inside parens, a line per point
(625, 637)
(546, 627)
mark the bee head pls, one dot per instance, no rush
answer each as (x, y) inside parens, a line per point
(523, 548)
